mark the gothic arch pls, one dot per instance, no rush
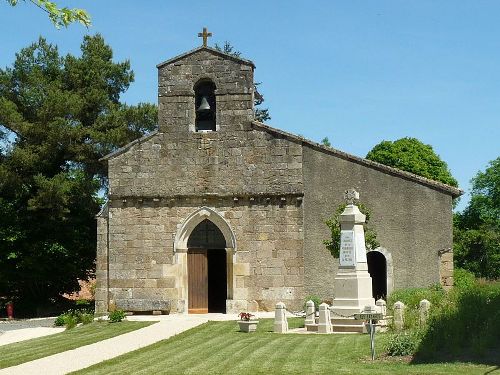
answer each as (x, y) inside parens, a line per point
(187, 227)
(181, 251)
(389, 269)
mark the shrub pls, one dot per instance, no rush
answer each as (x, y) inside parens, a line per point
(70, 321)
(463, 279)
(315, 299)
(404, 343)
(60, 320)
(86, 317)
(467, 326)
(411, 297)
(116, 316)
(73, 317)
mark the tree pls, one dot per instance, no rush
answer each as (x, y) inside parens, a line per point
(61, 114)
(59, 16)
(411, 155)
(477, 228)
(326, 142)
(261, 114)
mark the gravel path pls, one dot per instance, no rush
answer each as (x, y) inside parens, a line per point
(19, 330)
(10, 325)
(85, 356)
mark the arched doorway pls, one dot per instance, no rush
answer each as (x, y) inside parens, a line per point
(377, 267)
(207, 269)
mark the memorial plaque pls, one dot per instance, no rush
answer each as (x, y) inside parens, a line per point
(368, 316)
(347, 254)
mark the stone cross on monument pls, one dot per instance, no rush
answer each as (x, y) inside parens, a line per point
(350, 196)
(353, 284)
(205, 35)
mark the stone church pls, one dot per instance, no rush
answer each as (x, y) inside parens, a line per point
(216, 212)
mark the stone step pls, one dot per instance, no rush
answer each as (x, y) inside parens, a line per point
(348, 328)
(312, 327)
(352, 322)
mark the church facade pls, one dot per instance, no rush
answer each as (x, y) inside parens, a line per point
(216, 212)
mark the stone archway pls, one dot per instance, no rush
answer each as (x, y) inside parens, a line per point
(193, 251)
(381, 270)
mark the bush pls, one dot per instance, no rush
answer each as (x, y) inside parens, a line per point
(73, 317)
(60, 320)
(116, 316)
(86, 318)
(70, 321)
(405, 343)
(315, 299)
(463, 279)
(411, 297)
(467, 326)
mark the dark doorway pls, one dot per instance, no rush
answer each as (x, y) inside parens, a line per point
(377, 267)
(207, 269)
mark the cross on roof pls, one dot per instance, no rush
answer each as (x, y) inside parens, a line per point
(205, 35)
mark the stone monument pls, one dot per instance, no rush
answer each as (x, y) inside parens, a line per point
(353, 284)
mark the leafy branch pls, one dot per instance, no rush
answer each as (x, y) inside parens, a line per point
(59, 16)
(333, 244)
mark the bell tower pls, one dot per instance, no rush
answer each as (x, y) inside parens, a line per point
(205, 90)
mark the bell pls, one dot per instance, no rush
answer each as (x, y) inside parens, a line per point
(204, 106)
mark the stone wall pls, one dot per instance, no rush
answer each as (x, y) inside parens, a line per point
(413, 221)
(268, 259)
(242, 162)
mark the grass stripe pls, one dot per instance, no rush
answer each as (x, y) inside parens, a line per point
(217, 348)
(29, 350)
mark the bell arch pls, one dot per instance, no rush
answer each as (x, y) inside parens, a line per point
(183, 239)
(205, 105)
(374, 256)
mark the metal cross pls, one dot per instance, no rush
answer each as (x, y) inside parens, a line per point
(350, 196)
(205, 35)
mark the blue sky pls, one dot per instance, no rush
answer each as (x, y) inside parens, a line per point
(358, 72)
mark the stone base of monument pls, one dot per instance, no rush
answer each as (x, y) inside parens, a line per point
(348, 326)
(353, 293)
(341, 326)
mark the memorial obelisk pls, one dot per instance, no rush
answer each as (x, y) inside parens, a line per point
(353, 284)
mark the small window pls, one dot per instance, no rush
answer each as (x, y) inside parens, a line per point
(205, 106)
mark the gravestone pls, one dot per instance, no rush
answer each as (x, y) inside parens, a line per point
(353, 284)
(280, 322)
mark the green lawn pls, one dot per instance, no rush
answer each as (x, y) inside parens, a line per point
(14, 354)
(218, 348)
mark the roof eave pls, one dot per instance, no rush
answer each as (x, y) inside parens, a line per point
(125, 148)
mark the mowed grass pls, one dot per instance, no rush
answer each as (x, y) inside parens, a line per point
(218, 348)
(29, 350)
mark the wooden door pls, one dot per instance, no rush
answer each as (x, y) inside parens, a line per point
(197, 281)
